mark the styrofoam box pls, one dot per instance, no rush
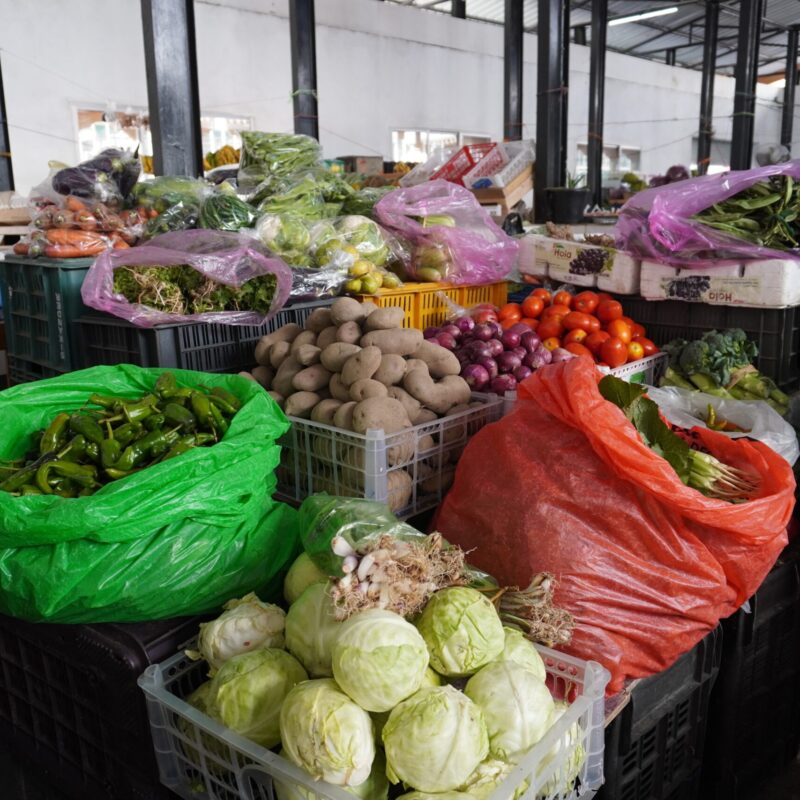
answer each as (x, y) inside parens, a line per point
(760, 284)
(555, 258)
(200, 759)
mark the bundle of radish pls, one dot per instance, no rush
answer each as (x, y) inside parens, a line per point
(493, 359)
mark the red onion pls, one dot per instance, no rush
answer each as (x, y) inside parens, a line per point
(478, 350)
(502, 384)
(520, 373)
(453, 330)
(520, 351)
(510, 339)
(530, 340)
(431, 333)
(490, 365)
(540, 357)
(508, 362)
(497, 330)
(465, 324)
(495, 346)
(447, 341)
(476, 376)
(482, 332)
(560, 354)
(519, 328)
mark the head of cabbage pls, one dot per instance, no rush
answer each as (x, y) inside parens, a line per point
(434, 739)
(379, 659)
(327, 734)
(487, 777)
(366, 236)
(285, 234)
(375, 787)
(300, 576)
(311, 630)
(521, 651)
(462, 630)
(247, 693)
(516, 705)
(430, 678)
(568, 751)
(246, 624)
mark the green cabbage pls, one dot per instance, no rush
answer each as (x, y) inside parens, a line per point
(462, 630)
(379, 659)
(247, 693)
(287, 235)
(366, 236)
(434, 740)
(521, 650)
(430, 678)
(300, 576)
(245, 625)
(327, 734)
(311, 630)
(568, 745)
(517, 707)
(486, 778)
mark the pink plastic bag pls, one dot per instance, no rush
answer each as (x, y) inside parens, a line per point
(226, 258)
(464, 246)
(657, 223)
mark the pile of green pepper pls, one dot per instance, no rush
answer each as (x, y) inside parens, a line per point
(80, 452)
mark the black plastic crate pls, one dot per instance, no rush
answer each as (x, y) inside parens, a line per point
(654, 748)
(20, 370)
(197, 346)
(776, 331)
(70, 704)
(754, 720)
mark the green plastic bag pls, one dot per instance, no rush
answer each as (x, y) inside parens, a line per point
(180, 537)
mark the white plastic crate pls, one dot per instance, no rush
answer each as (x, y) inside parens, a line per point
(497, 172)
(200, 759)
(646, 370)
(411, 470)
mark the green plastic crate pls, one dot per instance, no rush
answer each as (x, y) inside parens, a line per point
(41, 303)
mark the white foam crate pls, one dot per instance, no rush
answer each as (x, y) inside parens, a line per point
(200, 759)
(323, 458)
(774, 283)
(542, 256)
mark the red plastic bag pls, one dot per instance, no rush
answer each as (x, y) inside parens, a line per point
(647, 565)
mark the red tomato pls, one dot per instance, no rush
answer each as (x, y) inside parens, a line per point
(575, 319)
(532, 306)
(585, 302)
(620, 330)
(637, 330)
(562, 298)
(603, 296)
(594, 323)
(485, 316)
(650, 348)
(609, 310)
(614, 352)
(551, 342)
(533, 324)
(579, 350)
(529, 278)
(550, 328)
(509, 311)
(557, 309)
(594, 341)
(543, 295)
(628, 321)
(577, 335)
(509, 322)
(635, 351)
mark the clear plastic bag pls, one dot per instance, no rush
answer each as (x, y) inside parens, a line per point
(454, 239)
(217, 268)
(689, 409)
(658, 223)
(267, 158)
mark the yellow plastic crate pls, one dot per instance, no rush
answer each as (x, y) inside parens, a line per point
(423, 305)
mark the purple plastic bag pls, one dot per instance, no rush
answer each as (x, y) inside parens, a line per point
(474, 250)
(656, 223)
(225, 257)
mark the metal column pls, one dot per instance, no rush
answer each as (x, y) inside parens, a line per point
(597, 81)
(459, 9)
(302, 29)
(550, 97)
(6, 172)
(706, 129)
(788, 92)
(173, 96)
(512, 70)
(744, 104)
(563, 154)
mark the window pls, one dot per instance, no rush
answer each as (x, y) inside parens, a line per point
(418, 145)
(617, 160)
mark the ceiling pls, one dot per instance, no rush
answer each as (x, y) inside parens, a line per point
(653, 38)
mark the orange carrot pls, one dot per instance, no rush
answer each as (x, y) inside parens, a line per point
(86, 221)
(74, 237)
(72, 203)
(21, 248)
(72, 251)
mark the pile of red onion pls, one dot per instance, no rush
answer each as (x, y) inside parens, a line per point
(494, 360)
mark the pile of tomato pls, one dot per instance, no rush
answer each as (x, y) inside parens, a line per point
(587, 324)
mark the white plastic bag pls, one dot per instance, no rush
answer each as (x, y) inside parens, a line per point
(689, 409)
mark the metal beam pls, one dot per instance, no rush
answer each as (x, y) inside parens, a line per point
(669, 58)
(173, 97)
(550, 96)
(744, 103)
(562, 152)
(6, 172)
(706, 129)
(788, 92)
(580, 35)
(597, 80)
(459, 9)
(512, 70)
(302, 31)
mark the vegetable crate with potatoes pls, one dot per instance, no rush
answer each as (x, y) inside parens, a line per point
(41, 299)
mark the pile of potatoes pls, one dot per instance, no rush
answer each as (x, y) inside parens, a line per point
(355, 367)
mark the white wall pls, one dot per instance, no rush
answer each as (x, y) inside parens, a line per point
(380, 66)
